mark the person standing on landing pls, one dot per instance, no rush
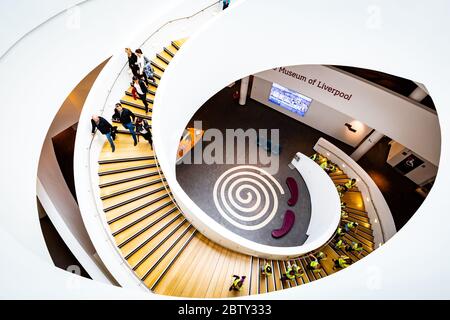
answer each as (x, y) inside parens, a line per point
(126, 117)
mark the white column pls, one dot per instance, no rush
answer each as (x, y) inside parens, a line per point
(244, 90)
(367, 144)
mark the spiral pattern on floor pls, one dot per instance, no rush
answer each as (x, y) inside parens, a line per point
(247, 197)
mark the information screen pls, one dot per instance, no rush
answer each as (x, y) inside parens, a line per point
(289, 99)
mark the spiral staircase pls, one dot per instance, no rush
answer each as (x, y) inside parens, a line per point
(164, 250)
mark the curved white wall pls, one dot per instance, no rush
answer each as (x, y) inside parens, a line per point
(349, 42)
(326, 26)
(325, 202)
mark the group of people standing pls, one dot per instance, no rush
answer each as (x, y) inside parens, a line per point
(142, 72)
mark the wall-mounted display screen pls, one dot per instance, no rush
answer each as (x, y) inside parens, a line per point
(289, 99)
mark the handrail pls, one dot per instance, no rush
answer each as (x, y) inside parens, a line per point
(100, 213)
(368, 189)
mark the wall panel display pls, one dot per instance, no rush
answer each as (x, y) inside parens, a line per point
(289, 99)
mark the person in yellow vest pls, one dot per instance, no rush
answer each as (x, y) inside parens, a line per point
(330, 168)
(355, 246)
(324, 164)
(297, 270)
(238, 283)
(289, 275)
(348, 185)
(342, 262)
(340, 232)
(340, 244)
(315, 157)
(344, 214)
(350, 225)
(321, 256)
(266, 270)
(314, 264)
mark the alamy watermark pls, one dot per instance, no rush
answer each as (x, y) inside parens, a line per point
(236, 146)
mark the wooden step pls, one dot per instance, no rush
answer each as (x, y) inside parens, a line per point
(126, 232)
(135, 250)
(254, 277)
(339, 177)
(161, 246)
(121, 165)
(331, 254)
(127, 169)
(162, 265)
(122, 199)
(200, 279)
(128, 209)
(170, 50)
(108, 181)
(337, 173)
(178, 43)
(156, 264)
(173, 260)
(128, 101)
(354, 200)
(361, 239)
(363, 234)
(176, 277)
(158, 67)
(360, 219)
(124, 147)
(164, 56)
(120, 191)
(130, 159)
(277, 275)
(356, 210)
(159, 63)
(113, 188)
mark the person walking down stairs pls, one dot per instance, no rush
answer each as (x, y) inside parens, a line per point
(124, 116)
(105, 128)
(141, 89)
(143, 128)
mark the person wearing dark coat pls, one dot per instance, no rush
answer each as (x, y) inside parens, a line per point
(133, 63)
(126, 118)
(143, 128)
(102, 125)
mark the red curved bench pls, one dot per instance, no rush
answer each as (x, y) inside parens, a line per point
(293, 188)
(288, 222)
